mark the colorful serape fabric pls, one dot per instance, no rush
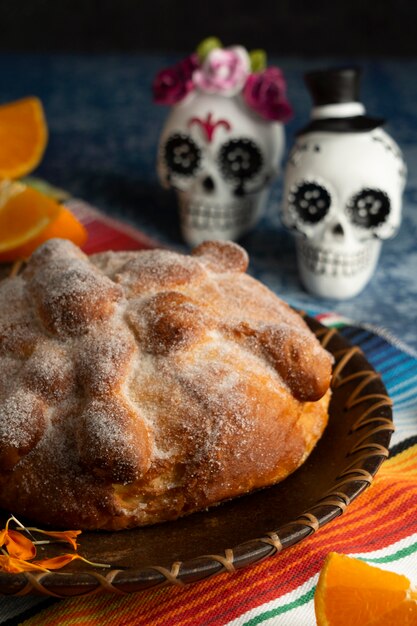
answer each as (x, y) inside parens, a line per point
(380, 526)
(105, 233)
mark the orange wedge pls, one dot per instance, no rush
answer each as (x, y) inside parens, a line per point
(23, 137)
(352, 593)
(28, 218)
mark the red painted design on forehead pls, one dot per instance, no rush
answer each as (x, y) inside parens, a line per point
(208, 126)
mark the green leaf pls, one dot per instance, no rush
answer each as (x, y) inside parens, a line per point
(257, 60)
(206, 46)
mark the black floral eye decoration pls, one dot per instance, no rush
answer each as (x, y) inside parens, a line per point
(369, 208)
(309, 201)
(240, 159)
(182, 155)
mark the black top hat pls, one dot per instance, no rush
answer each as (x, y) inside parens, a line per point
(337, 86)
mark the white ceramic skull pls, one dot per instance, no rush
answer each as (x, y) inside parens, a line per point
(220, 158)
(342, 190)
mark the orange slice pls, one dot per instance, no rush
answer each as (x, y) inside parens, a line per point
(28, 218)
(23, 137)
(352, 593)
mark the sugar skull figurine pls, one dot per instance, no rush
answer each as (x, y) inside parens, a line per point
(343, 188)
(223, 141)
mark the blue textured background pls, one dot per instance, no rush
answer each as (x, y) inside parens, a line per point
(103, 135)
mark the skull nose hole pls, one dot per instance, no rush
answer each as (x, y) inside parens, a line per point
(338, 230)
(208, 183)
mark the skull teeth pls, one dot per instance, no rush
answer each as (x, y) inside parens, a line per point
(330, 263)
(215, 215)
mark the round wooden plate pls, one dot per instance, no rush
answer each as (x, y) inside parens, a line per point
(248, 529)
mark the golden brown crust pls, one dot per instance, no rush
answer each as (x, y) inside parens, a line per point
(112, 441)
(222, 256)
(22, 425)
(68, 292)
(138, 387)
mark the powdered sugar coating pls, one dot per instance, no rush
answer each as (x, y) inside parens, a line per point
(22, 424)
(68, 292)
(154, 270)
(113, 441)
(142, 386)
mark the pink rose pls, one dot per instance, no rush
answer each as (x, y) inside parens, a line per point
(224, 71)
(173, 83)
(265, 93)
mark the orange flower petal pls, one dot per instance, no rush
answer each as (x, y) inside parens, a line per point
(4, 532)
(19, 546)
(65, 535)
(56, 562)
(15, 566)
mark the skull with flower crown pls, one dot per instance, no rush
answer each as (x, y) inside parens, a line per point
(222, 143)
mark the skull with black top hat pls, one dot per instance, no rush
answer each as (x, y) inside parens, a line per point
(343, 187)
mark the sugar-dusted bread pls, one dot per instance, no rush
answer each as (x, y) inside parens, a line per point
(137, 387)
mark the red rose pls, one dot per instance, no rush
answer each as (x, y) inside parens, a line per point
(173, 83)
(265, 93)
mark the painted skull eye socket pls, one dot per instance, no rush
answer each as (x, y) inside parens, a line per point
(369, 208)
(310, 201)
(240, 159)
(182, 155)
